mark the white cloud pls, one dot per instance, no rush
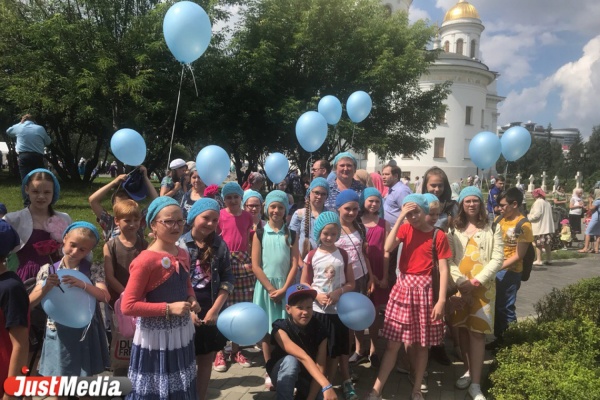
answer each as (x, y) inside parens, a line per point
(575, 87)
(416, 14)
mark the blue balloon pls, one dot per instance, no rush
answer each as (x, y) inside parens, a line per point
(484, 149)
(359, 106)
(331, 108)
(515, 143)
(356, 311)
(277, 167)
(73, 308)
(311, 130)
(213, 164)
(243, 323)
(128, 146)
(187, 31)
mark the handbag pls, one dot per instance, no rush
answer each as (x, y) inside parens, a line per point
(125, 323)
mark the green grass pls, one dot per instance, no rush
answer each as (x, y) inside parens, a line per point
(567, 254)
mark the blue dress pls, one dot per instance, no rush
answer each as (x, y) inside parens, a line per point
(593, 227)
(163, 363)
(64, 353)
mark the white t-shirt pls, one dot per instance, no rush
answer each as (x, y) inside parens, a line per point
(574, 201)
(328, 275)
(352, 243)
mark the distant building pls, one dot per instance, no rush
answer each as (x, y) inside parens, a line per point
(472, 105)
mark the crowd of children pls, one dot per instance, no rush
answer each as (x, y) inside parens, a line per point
(454, 262)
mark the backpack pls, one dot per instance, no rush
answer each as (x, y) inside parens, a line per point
(311, 254)
(529, 257)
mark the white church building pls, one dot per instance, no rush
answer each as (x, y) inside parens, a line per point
(472, 105)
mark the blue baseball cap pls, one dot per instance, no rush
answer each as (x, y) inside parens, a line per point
(297, 290)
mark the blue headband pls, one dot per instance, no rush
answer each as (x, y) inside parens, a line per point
(430, 198)
(346, 196)
(83, 224)
(418, 199)
(232, 188)
(470, 191)
(35, 171)
(158, 204)
(201, 205)
(279, 197)
(249, 194)
(369, 192)
(344, 154)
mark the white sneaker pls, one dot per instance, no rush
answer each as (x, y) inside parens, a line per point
(463, 382)
(475, 392)
(268, 383)
(424, 387)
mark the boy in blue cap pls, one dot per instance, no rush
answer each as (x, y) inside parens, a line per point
(299, 356)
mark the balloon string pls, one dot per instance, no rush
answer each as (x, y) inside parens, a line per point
(193, 78)
(90, 324)
(175, 119)
(353, 130)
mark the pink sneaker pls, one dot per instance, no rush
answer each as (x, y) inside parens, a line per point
(241, 359)
(219, 364)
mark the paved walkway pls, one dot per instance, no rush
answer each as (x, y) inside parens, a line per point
(248, 383)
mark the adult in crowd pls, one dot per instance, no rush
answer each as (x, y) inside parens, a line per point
(31, 140)
(363, 177)
(576, 212)
(397, 191)
(378, 184)
(175, 185)
(542, 225)
(593, 227)
(418, 185)
(560, 197)
(255, 181)
(195, 193)
(492, 201)
(320, 168)
(477, 255)
(344, 165)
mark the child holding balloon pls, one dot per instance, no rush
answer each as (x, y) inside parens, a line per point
(411, 317)
(235, 225)
(274, 263)
(67, 350)
(326, 232)
(159, 292)
(212, 281)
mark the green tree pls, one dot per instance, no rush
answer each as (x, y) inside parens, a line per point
(287, 54)
(543, 155)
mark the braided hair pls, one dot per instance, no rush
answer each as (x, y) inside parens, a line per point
(307, 216)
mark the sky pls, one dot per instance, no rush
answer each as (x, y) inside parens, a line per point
(547, 53)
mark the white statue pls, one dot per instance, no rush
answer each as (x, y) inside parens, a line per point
(544, 176)
(556, 183)
(519, 177)
(531, 185)
(578, 179)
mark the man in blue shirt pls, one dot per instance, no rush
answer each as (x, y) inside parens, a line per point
(31, 140)
(398, 190)
(492, 201)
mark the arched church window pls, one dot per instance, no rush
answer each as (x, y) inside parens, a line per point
(473, 44)
(447, 46)
(459, 46)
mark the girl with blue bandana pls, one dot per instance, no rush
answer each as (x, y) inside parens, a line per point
(377, 227)
(74, 351)
(412, 316)
(37, 224)
(274, 262)
(159, 292)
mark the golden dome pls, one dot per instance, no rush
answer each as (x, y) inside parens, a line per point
(461, 10)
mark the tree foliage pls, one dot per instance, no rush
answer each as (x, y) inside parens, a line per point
(543, 155)
(86, 68)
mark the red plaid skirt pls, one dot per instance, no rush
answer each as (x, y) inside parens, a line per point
(408, 312)
(245, 280)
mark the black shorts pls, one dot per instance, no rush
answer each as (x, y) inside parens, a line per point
(208, 339)
(338, 341)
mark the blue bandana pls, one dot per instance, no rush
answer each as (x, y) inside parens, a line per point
(369, 192)
(158, 204)
(83, 224)
(324, 219)
(470, 191)
(344, 154)
(279, 197)
(249, 194)
(346, 196)
(201, 205)
(232, 188)
(419, 200)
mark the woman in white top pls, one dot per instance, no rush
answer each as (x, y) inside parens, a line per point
(542, 225)
(576, 212)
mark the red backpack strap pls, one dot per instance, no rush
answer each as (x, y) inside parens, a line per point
(308, 263)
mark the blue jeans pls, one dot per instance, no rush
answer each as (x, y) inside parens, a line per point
(507, 285)
(286, 376)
